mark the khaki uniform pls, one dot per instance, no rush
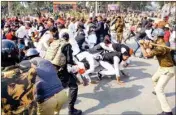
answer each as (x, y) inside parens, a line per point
(164, 73)
(17, 91)
(119, 31)
(53, 104)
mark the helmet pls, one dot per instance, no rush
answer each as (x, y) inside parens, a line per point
(32, 52)
(9, 52)
(158, 33)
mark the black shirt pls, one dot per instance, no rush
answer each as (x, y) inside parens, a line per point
(109, 57)
(117, 47)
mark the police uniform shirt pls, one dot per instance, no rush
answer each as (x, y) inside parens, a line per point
(163, 55)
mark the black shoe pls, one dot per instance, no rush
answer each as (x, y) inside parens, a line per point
(75, 112)
(99, 76)
(165, 113)
(154, 93)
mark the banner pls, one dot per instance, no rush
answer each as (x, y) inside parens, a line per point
(113, 7)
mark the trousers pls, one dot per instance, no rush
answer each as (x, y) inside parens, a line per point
(53, 105)
(160, 80)
(110, 69)
(119, 37)
(69, 80)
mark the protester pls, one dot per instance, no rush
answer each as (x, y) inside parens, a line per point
(167, 35)
(99, 29)
(45, 40)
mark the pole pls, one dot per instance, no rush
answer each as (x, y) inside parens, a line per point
(162, 46)
(96, 8)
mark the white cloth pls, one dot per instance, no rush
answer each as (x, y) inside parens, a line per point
(71, 29)
(111, 69)
(113, 37)
(90, 58)
(91, 40)
(109, 48)
(123, 50)
(43, 43)
(76, 25)
(63, 31)
(21, 32)
(172, 40)
(149, 34)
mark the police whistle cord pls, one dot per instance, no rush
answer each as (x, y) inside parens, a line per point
(162, 46)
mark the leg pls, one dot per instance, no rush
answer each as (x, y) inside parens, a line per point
(62, 99)
(129, 36)
(109, 68)
(120, 37)
(155, 77)
(138, 46)
(73, 91)
(47, 107)
(113, 37)
(162, 82)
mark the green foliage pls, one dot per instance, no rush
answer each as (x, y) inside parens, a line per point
(30, 7)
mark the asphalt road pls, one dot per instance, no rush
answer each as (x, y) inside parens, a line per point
(107, 97)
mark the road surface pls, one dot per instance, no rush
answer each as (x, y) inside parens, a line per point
(135, 97)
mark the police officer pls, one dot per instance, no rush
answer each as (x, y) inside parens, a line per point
(69, 79)
(165, 71)
(49, 92)
(17, 82)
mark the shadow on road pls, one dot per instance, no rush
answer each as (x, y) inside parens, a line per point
(139, 64)
(136, 74)
(110, 95)
(131, 113)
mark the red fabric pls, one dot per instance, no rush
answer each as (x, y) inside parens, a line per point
(61, 21)
(9, 36)
(81, 71)
(166, 36)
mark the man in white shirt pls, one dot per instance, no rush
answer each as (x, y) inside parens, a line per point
(21, 32)
(24, 33)
(111, 62)
(86, 61)
(71, 28)
(45, 40)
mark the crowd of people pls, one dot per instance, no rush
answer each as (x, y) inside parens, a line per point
(43, 56)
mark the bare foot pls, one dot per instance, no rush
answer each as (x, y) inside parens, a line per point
(121, 83)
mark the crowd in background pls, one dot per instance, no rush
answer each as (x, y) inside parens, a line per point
(37, 38)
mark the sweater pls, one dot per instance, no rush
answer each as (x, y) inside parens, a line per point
(47, 82)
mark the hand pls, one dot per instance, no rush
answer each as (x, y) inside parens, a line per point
(121, 83)
(147, 42)
(141, 42)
